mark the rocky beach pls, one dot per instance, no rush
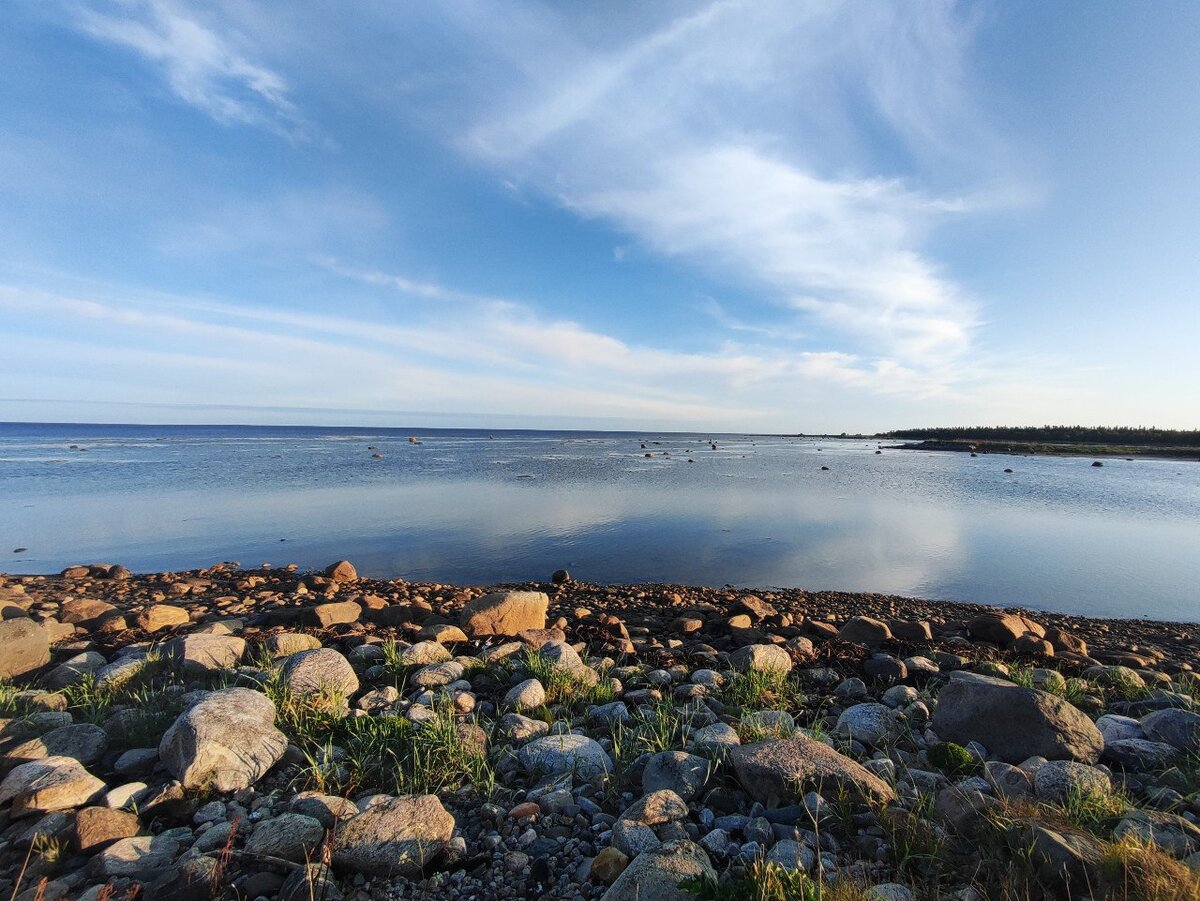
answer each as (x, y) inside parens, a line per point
(276, 734)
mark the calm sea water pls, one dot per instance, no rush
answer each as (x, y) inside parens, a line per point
(479, 507)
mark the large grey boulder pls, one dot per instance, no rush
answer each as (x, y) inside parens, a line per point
(575, 754)
(322, 671)
(289, 836)
(74, 670)
(657, 873)
(397, 837)
(52, 783)
(227, 741)
(504, 613)
(782, 771)
(1014, 723)
(197, 656)
(684, 774)
(871, 724)
(761, 658)
(26, 648)
(1175, 727)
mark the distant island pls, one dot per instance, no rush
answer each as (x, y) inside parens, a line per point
(1074, 440)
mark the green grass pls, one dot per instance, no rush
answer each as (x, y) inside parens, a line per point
(770, 882)
(391, 754)
(1097, 812)
(308, 718)
(150, 702)
(11, 704)
(564, 687)
(771, 690)
(649, 730)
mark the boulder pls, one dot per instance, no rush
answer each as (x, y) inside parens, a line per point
(1175, 727)
(1014, 723)
(342, 571)
(504, 613)
(782, 771)
(761, 658)
(52, 783)
(1169, 831)
(96, 827)
(574, 754)
(161, 616)
(284, 644)
(74, 670)
(289, 836)
(866, 631)
(226, 742)
(871, 724)
(84, 742)
(321, 671)
(1002, 628)
(197, 656)
(1058, 780)
(394, 838)
(657, 874)
(684, 774)
(334, 613)
(26, 648)
(527, 695)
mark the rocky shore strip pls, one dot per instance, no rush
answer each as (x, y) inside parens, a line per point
(274, 734)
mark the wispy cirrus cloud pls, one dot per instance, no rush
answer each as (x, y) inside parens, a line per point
(202, 67)
(743, 138)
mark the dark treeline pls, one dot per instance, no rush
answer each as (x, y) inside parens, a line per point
(1066, 434)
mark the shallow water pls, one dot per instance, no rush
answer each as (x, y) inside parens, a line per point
(479, 507)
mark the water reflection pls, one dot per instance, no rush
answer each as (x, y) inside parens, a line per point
(761, 512)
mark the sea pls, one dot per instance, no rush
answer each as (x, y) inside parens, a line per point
(487, 507)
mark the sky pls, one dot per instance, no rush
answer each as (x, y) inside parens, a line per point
(736, 216)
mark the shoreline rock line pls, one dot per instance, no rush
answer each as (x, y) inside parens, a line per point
(276, 734)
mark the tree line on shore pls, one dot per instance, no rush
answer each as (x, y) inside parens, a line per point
(1124, 435)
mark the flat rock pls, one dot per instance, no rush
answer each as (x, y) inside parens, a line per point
(1014, 723)
(26, 648)
(781, 771)
(84, 742)
(227, 741)
(334, 613)
(761, 658)
(656, 874)
(197, 656)
(397, 837)
(96, 827)
(504, 613)
(288, 836)
(161, 616)
(53, 783)
(575, 754)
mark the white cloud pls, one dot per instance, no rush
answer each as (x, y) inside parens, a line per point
(202, 67)
(733, 137)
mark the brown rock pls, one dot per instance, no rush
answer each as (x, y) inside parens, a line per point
(84, 611)
(342, 571)
(781, 772)
(865, 631)
(96, 827)
(334, 613)
(505, 613)
(907, 630)
(161, 616)
(24, 648)
(1002, 628)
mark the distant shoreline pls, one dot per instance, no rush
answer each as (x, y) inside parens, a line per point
(1046, 449)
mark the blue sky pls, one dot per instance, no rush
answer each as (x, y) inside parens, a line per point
(770, 216)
